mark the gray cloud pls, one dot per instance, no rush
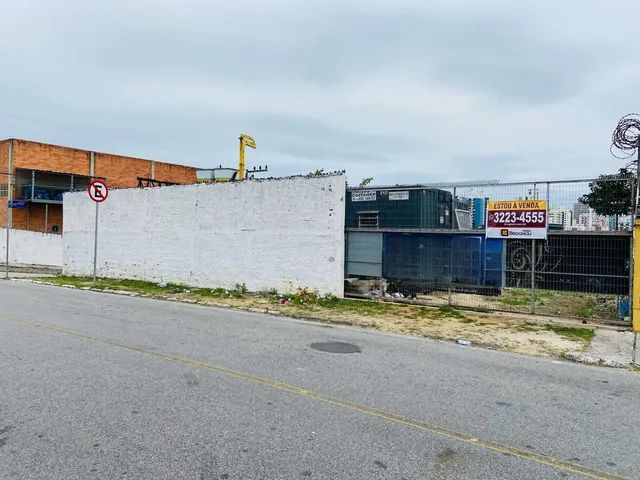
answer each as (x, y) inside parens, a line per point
(404, 91)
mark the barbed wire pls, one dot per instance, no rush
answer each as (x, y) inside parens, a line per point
(624, 141)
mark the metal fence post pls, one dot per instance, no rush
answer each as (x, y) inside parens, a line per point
(633, 309)
(451, 217)
(533, 256)
(634, 186)
(533, 276)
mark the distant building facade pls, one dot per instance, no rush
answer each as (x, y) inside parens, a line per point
(40, 173)
(479, 213)
(561, 216)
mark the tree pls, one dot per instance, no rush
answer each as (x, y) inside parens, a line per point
(365, 181)
(610, 196)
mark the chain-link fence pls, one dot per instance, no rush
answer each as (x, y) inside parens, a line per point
(427, 244)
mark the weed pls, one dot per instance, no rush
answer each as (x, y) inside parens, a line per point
(481, 309)
(445, 311)
(139, 286)
(239, 291)
(514, 302)
(587, 309)
(529, 327)
(572, 333)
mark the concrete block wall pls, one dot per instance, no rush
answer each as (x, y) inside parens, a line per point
(31, 248)
(279, 234)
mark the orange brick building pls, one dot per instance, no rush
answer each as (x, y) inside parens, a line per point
(40, 173)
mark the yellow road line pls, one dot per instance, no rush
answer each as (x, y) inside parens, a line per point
(392, 417)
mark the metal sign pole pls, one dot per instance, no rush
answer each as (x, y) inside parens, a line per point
(533, 276)
(6, 267)
(98, 192)
(95, 246)
(9, 211)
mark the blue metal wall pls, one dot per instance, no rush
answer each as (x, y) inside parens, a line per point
(425, 257)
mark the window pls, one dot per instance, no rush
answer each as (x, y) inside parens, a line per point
(4, 190)
(368, 219)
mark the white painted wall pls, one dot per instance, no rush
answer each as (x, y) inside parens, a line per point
(28, 248)
(284, 234)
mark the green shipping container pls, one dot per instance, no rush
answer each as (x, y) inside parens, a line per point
(427, 208)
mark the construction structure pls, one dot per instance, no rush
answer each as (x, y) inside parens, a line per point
(222, 174)
(34, 176)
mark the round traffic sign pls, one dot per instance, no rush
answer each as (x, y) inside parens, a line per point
(98, 191)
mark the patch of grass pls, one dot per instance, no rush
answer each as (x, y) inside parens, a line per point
(210, 292)
(445, 311)
(514, 302)
(545, 293)
(481, 309)
(139, 286)
(468, 320)
(449, 312)
(587, 309)
(520, 297)
(311, 300)
(149, 288)
(515, 297)
(572, 333)
(529, 327)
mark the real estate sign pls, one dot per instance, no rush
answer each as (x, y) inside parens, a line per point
(522, 219)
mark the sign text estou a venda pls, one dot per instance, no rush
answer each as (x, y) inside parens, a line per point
(517, 219)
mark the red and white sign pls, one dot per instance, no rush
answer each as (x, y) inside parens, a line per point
(98, 191)
(520, 219)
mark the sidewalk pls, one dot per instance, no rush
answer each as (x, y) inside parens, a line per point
(609, 348)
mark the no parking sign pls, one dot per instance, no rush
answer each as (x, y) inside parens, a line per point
(98, 193)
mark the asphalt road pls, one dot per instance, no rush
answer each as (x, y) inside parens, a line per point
(99, 386)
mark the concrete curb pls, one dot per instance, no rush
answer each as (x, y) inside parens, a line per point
(581, 357)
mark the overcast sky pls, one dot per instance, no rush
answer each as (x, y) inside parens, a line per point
(401, 90)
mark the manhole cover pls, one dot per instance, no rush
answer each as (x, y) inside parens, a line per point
(335, 347)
